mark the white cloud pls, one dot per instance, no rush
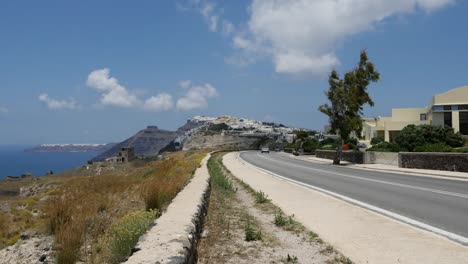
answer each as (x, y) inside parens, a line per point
(161, 102)
(112, 93)
(196, 97)
(4, 110)
(185, 84)
(57, 104)
(301, 35)
(115, 94)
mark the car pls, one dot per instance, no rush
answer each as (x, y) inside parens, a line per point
(265, 150)
(361, 145)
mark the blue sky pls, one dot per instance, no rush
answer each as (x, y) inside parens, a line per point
(98, 71)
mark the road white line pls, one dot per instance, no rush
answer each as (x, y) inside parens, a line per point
(404, 219)
(460, 195)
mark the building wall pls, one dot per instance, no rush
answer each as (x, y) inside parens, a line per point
(407, 114)
(455, 96)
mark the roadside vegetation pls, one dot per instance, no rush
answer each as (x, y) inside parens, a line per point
(96, 213)
(244, 226)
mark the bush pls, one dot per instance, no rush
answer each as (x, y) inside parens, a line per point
(376, 140)
(460, 150)
(413, 136)
(123, 235)
(438, 147)
(386, 147)
(310, 145)
(328, 141)
(352, 141)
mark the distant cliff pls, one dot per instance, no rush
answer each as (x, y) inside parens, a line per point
(70, 148)
(149, 141)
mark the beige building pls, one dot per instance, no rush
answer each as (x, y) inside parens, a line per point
(450, 108)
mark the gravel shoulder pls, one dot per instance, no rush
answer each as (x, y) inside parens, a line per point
(224, 236)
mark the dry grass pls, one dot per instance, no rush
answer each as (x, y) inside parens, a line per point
(84, 204)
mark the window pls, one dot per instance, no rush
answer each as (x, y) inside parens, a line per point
(448, 119)
(447, 108)
(464, 123)
(463, 107)
(422, 117)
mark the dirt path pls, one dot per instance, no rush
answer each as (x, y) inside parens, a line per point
(231, 211)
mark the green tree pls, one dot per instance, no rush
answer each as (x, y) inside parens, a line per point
(347, 97)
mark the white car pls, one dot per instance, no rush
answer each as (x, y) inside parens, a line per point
(265, 150)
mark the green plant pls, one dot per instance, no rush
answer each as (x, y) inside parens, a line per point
(376, 140)
(123, 235)
(251, 234)
(292, 259)
(261, 197)
(280, 219)
(460, 150)
(413, 136)
(217, 176)
(310, 145)
(438, 147)
(385, 147)
(312, 235)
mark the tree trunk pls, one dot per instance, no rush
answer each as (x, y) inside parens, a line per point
(339, 153)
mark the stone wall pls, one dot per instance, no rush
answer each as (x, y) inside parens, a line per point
(174, 238)
(434, 161)
(387, 158)
(351, 156)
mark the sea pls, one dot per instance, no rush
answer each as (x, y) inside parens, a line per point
(14, 161)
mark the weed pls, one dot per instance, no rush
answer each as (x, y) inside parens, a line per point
(312, 235)
(261, 197)
(280, 219)
(291, 259)
(251, 234)
(123, 235)
(217, 176)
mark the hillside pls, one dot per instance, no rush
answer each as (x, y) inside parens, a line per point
(205, 132)
(149, 141)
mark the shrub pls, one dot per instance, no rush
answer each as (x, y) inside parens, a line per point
(376, 140)
(438, 147)
(281, 219)
(251, 234)
(386, 147)
(123, 235)
(460, 150)
(352, 141)
(413, 136)
(329, 141)
(310, 145)
(261, 197)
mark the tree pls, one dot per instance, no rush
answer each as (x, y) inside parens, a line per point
(347, 97)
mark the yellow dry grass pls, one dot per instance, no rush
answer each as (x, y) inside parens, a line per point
(81, 208)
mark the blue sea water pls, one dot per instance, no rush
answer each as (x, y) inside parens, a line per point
(14, 161)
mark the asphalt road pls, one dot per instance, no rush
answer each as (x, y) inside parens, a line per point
(440, 203)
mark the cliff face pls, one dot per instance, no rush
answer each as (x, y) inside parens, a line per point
(148, 142)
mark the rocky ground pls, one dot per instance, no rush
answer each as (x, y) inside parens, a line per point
(30, 249)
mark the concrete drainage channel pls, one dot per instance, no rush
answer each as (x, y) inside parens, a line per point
(175, 236)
